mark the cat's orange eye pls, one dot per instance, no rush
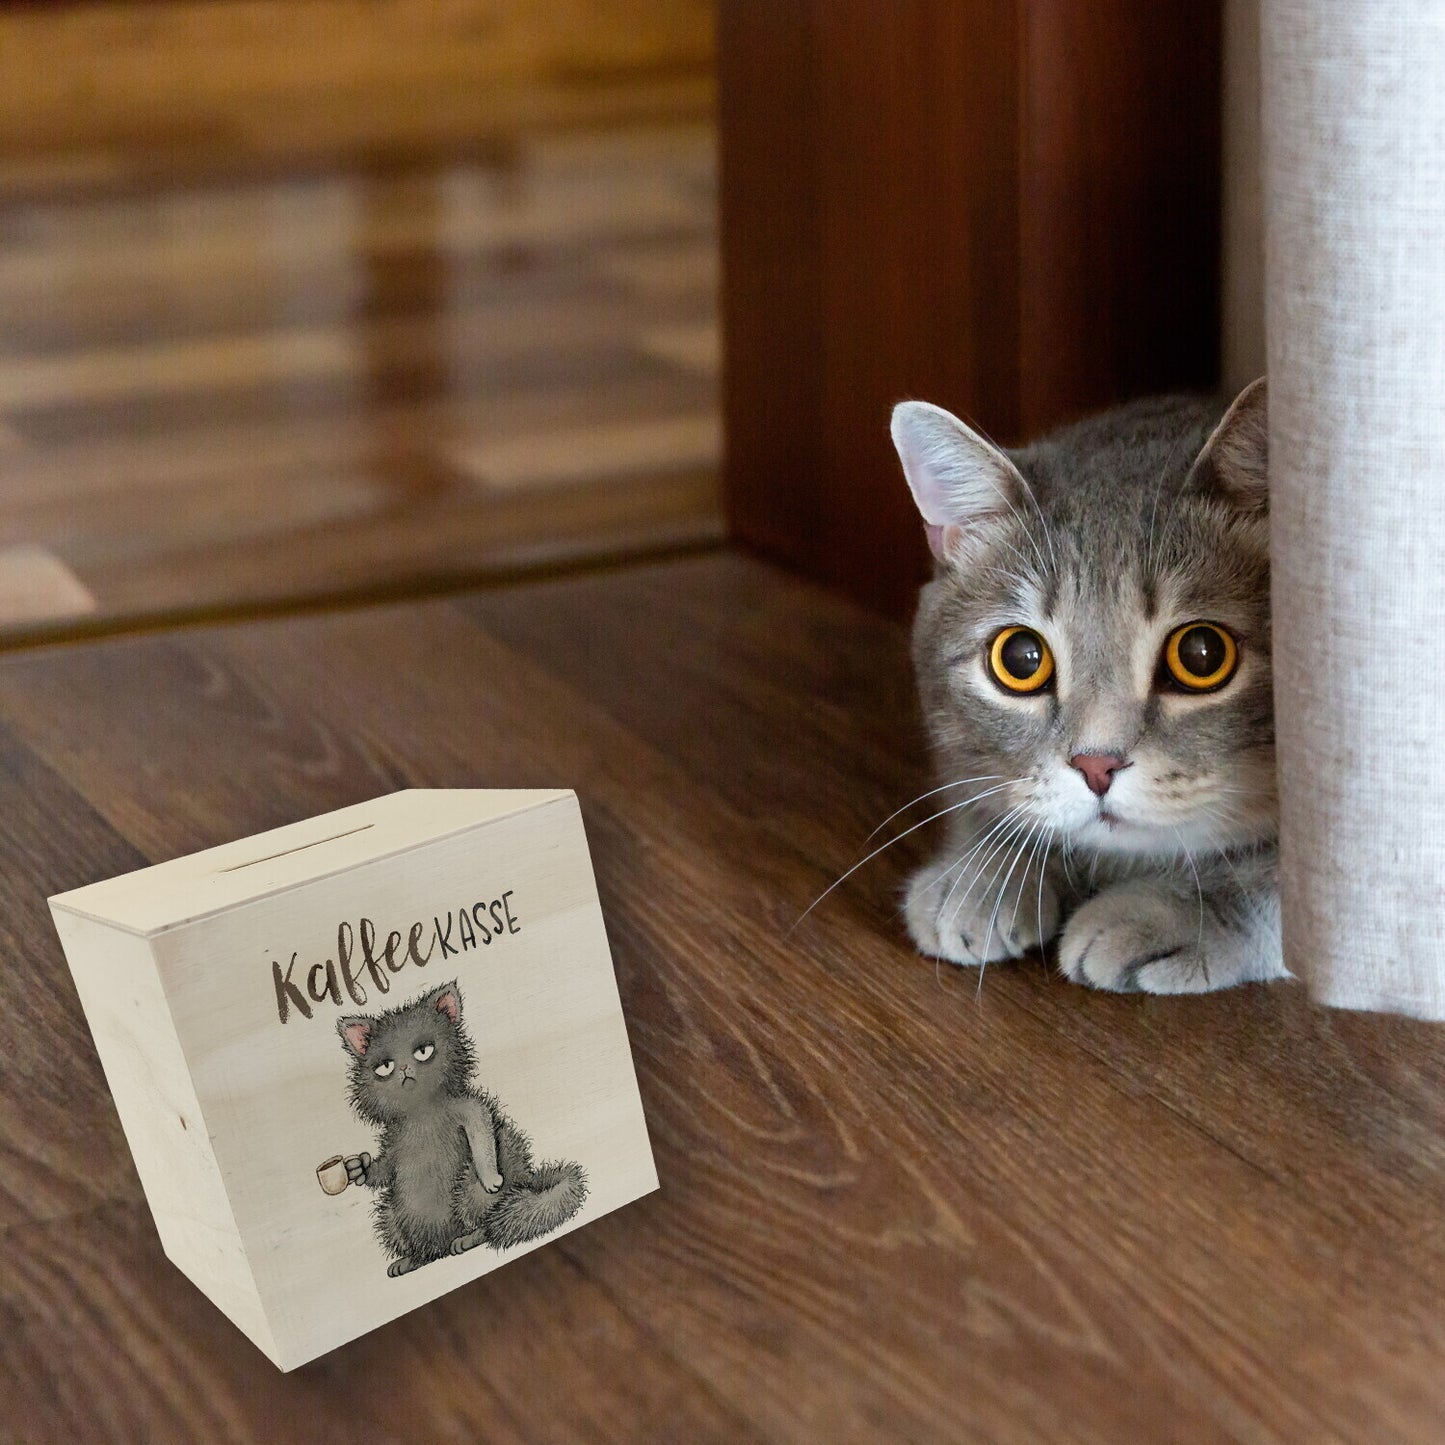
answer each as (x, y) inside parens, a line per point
(1200, 657)
(1019, 660)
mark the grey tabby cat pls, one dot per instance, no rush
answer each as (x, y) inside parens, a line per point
(1093, 658)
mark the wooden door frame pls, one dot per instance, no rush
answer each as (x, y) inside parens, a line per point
(1011, 209)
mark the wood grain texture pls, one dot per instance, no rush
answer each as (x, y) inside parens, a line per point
(892, 1206)
(1007, 209)
(127, 91)
(254, 393)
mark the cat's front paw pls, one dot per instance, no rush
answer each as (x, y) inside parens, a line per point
(1137, 939)
(490, 1182)
(972, 922)
(358, 1166)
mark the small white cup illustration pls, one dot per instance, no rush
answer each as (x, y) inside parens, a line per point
(332, 1174)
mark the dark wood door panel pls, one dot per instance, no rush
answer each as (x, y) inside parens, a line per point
(1010, 209)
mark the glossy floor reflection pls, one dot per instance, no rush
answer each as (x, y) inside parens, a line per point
(232, 395)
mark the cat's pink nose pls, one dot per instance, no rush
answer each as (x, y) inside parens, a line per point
(1098, 769)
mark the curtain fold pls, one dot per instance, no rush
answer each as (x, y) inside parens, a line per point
(1354, 156)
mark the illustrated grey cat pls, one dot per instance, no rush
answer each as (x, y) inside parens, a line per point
(1093, 661)
(452, 1170)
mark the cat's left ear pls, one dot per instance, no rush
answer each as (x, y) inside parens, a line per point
(446, 1000)
(355, 1033)
(1236, 456)
(960, 481)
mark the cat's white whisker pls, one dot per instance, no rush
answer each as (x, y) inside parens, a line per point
(957, 861)
(968, 853)
(1015, 855)
(1199, 888)
(952, 808)
(1032, 831)
(977, 839)
(1003, 827)
(963, 857)
(1066, 848)
(982, 948)
(1043, 867)
(1033, 853)
(998, 850)
(961, 783)
(1028, 844)
(1000, 835)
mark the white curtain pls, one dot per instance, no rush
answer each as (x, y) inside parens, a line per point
(1354, 197)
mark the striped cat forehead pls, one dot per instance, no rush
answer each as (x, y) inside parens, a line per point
(1092, 581)
(1119, 594)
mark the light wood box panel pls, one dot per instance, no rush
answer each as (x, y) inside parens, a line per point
(231, 1096)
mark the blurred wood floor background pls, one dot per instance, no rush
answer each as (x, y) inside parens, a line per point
(348, 299)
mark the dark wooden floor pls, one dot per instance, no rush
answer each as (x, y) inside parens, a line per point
(893, 1206)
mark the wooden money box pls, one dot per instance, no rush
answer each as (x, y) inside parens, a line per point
(365, 1058)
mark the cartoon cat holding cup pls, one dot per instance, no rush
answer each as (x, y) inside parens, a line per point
(451, 1170)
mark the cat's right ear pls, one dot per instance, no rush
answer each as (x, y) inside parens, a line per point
(959, 479)
(356, 1034)
(1235, 459)
(445, 999)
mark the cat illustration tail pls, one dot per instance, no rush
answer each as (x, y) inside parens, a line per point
(552, 1195)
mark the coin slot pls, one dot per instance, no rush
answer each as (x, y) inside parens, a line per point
(299, 848)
